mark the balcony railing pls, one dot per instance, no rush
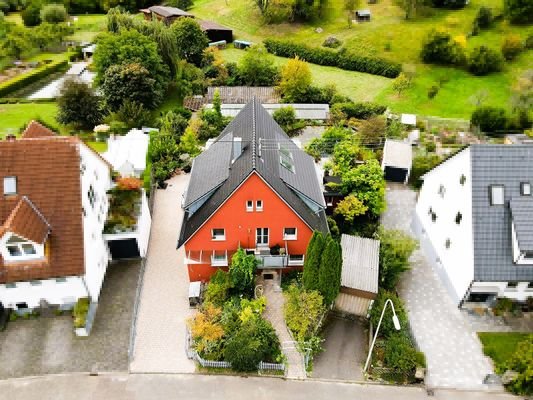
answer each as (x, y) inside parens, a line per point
(222, 258)
(270, 261)
(219, 258)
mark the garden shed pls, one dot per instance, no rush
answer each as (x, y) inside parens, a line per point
(362, 15)
(408, 119)
(397, 160)
(216, 32)
(359, 276)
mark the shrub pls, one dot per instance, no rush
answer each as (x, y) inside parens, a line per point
(303, 310)
(329, 273)
(312, 260)
(387, 329)
(242, 272)
(512, 46)
(78, 104)
(218, 288)
(421, 165)
(341, 59)
(81, 308)
(31, 15)
(363, 110)
(286, 118)
(489, 119)
(484, 17)
(394, 251)
(295, 80)
(257, 68)
(440, 48)
(54, 13)
(522, 363)
(504, 305)
(401, 355)
(518, 11)
(432, 91)
(484, 60)
(331, 42)
(431, 147)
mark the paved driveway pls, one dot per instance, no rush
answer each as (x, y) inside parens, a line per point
(344, 352)
(48, 345)
(164, 304)
(453, 351)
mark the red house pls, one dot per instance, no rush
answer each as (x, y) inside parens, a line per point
(252, 188)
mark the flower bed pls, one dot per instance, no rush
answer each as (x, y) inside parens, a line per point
(124, 206)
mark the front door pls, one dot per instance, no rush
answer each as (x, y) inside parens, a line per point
(261, 236)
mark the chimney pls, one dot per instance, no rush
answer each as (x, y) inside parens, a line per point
(237, 147)
(11, 137)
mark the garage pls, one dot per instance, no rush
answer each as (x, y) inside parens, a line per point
(397, 161)
(123, 249)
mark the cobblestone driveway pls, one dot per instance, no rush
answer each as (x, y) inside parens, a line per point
(48, 345)
(453, 351)
(164, 304)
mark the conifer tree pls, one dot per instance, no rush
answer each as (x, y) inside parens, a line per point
(312, 261)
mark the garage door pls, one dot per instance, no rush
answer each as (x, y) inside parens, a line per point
(126, 248)
(395, 174)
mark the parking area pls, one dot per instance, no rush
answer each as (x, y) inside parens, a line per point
(345, 346)
(47, 345)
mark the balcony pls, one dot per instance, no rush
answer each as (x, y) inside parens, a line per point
(222, 258)
(271, 261)
(219, 258)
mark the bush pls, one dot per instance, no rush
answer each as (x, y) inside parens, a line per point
(431, 147)
(78, 104)
(484, 60)
(340, 59)
(363, 110)
(331, 42)
(421, 165)
(218, 288)
(483, 17)
(529, 42)
(440, 48)
(54, 13)
(489, 119)
(242, 272)
(303, 310)
(24, 80)
(432, 91)
(387, 329)
(512, 46)
(394, 251)
(31, 15)
(522, 363)
(504, 305)
(519, 11)
(286, 119)
(400, 354)
(81, 308)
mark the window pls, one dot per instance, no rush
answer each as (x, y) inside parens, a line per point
(496, 195)
(458, 218)
(19, 247)
(10, 185)
(432, 214)
(82, 168)
(462, 179)
(289, 234)
(442, 191)
(61, 280)
(218, 234)
(528, 255)
(448, 243)
(36, 283)
(92, 196)
(512, 285)
(525, 189)
(261, 236)
(259, 205)
(296, 259)
(530, 285)
(22, 306)
(286, 158)
(249, 206)
(11, 285)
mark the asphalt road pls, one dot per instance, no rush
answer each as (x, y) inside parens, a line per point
(205, 387)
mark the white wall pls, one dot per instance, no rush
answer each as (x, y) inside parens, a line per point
(520, 293)
(97, 174)
(143, 225)
(456, 263)
(52, 291)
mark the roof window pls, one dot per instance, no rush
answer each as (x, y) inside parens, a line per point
(525, 189)
(285, 158)
(10, 185)
(497, 195)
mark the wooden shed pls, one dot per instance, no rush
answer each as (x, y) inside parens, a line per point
(359, 277)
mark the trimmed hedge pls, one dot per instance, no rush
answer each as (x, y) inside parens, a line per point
(341, 59)
(23, 80)
(363, 110)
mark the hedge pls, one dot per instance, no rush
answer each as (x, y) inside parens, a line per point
(341, 59)
(363, 110)
(22, 81)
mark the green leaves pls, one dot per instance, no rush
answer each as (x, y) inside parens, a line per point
(395, 249)
(242, 272)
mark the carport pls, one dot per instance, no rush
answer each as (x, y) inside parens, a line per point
(397, 161)
(124, 249)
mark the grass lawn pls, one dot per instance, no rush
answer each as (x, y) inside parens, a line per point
(14, 17)
(356, 85)
(86, 27)
(390, 36)
(500, 346)
(100, 147)
(15, 116)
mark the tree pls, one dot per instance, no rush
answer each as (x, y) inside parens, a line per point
(78, 104)
(181, 4)
(16, 43)
(131, 82)
(387, 326)
(217, 103)
(440, 48)
(189, 143)
(489, 119)
(174, 123)
(302, 310)
(206, 329)
(256, 67)
(401, 83)
(329, 274)
(350, 207)
(191, 40)
(295, 80)
(421, 165)
(484, 17)
(484, 60)
(130, 47)
(53, 13)
(518, 11)
(242, 272)
(394, 251)
(512, 46)
(286, 119)
(409, 6)
(372, 131)
(312, 260)
(31, 15)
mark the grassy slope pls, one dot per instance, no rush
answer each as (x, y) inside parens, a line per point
(87, 27)
(500, 346)
(16, 116)
(404, 37)
(358, 86)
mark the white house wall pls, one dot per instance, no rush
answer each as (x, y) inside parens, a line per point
(144, 223)
(455, 264)
(97, 174)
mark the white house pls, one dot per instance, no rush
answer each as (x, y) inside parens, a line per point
(52, 213)
(474, 217)
(127, 154)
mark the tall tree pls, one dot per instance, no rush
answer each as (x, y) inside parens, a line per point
(242, 272)
(78, 104)
(295, 80)
(256, 67)
(190, 39)
(312, 261)
(329, 274)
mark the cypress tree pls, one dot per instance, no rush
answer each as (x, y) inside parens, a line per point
(329, 271)
(312, 261)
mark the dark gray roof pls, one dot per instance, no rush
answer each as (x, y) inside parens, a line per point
(507, 165)
(522, 215)
(261, 141)
(169, 11)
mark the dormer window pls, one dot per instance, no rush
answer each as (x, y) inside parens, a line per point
(10, 185)
(525, 189)
(18, 248)
(496, 195)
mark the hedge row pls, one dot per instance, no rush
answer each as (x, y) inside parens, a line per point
(341, 59)
(23, 80)
(363, 110)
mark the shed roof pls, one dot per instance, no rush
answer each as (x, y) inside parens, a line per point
(363, 13)
(408, 119)
(243, 94)
(360, 263)
(397, 154)
(212, 26)
(166, 12)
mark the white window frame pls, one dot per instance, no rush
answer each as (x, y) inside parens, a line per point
(525, 188)
(494, 194)
(259, 205)
(10, 185)
(290, 237)
(39, 249)
(511, 288)
(218, 237)
(298, 261)
(260, 233)
(249, 205)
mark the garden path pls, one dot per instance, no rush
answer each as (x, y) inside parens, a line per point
(274, 314)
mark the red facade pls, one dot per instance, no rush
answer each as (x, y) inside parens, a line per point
(254, 218)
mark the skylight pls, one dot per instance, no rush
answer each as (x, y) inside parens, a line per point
(497, 195)
(285, 158)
